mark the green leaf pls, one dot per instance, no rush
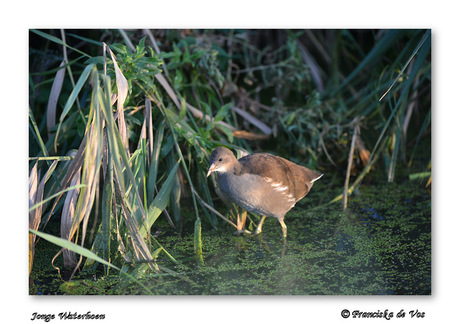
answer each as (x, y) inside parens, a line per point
(72, 247)
(55, 195)
(57, 40)
(183, 109)
(223, 111)
(376, 53)
(73, 96)
(140, 49)
(37, 134)
(155, 162)
(119, 48)
(198, 243)
(228, 132)
(160, 202)
(419, 175)
(86, 253)
(425, 37)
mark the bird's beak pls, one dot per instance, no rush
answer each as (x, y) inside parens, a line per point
(212, 168)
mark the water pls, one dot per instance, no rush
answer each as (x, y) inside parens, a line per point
(380, 246)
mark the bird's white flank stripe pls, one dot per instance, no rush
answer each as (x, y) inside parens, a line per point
(279, 186)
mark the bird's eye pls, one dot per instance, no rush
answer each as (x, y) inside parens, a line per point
(220, 160)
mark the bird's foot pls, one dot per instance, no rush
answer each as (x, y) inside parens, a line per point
(259, 226)
(241, 232)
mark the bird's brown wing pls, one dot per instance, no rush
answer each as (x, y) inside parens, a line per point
(280, 171)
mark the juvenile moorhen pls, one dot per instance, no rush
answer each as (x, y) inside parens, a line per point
(261, 183)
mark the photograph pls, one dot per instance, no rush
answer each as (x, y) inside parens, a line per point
(230, 161)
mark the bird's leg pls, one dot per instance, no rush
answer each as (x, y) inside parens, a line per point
(240, 222)
(259, 227)
(284, 228)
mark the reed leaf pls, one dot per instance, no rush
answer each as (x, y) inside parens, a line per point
(57, 41)
(72, 247)
(175, 193)
(36, 189)
(177, 127)
(419, 175)
(103, 241)
(51, 158)
(423, 50)
(139, 247)
(35, 215)
(130, 202)
(122, 166)
(91, 167)
(390, 37)
(122, 87)
(350, 160)
(67, 219)
(422, 41)
(198, 244)
(73, 96)
(59, 193)
(155, 163)
(107, 212)
(160, 202)
(37, 135)
(53, 98)
(149, 124)
(87, 254)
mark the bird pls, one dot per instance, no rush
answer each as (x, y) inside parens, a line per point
(262, 183)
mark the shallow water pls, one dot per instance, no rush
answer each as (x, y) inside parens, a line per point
(381, 245)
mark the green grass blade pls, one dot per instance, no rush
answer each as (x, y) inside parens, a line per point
(91, 165)
(376, 53)
(122, 167)
(56, 195)
(84, 252)
(198, 244)
(73, 247)
(164, 250)
(420, 175)
(73, 96)
(122, 87)
(37, 134)
(174, 199)
(107, 216)
(57, 41)
(425, 37)
(51, 158)
(186, 131)
(86, 39)
(154, 163)
(53, 98)
(160, 202)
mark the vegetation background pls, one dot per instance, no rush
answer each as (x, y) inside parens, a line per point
(122, 123)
